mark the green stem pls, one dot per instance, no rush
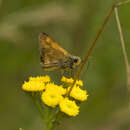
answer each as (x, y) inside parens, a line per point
(39, 108)
(49, 118)
(54, 120)
(58, 117)
(49, 126)
(48, 123)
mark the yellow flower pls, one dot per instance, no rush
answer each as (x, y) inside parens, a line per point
(70, 80)
(66, 80)
(43, 79)
(79, 82)
(69, 107)
(51, 98)
(78, 93)
(33, 86)
(58, 89)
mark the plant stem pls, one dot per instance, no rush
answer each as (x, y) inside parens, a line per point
(49, 126)
(93, 45)
(123, 3)
(38, 106)
(123, 48)
(47, 122)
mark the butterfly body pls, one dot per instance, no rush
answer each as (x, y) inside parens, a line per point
(54, 57)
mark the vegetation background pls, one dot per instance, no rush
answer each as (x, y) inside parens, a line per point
(73, 24)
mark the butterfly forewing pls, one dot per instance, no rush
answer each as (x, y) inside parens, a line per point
(51, 54)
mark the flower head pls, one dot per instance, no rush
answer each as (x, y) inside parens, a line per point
(33, 86)
(51, 98)
(43, 79)
(78, 94)
(55, 88)
(71, 80)
(53, 95)
(69, 107)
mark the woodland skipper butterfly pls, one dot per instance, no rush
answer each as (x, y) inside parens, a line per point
(54, 57)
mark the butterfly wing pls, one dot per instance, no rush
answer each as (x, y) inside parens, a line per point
(51, 54)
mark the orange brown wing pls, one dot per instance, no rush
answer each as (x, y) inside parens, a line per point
(51, 54)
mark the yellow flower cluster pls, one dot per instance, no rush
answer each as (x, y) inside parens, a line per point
(43, 79)
(36, 83)
(69, 107)
(52, 87)
(78, 94)
(51, 98)
(70, 81)
(53, 95)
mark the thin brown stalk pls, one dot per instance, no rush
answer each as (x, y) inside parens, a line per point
(123, 3)
(93, 45)
(123, 48)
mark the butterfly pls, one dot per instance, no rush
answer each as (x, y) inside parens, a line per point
(53, 57)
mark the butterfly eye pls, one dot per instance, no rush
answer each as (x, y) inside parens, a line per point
(75, 60)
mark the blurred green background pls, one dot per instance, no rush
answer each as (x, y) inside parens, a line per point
(73, 24)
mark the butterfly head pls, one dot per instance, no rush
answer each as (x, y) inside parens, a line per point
(76, 61)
